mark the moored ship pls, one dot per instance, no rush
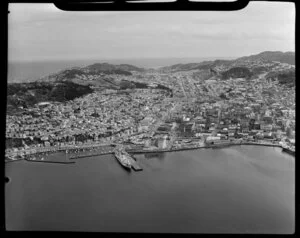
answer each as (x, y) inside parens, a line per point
(123, 159)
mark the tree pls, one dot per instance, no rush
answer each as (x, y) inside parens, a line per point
(223, 96)
(251, 124)
(125, 84)
(234, 121)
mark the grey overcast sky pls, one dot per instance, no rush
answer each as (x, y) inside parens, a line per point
(43, 32)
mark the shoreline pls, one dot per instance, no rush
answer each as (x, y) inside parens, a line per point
(202, 147)
(53, 162)
(73, 157)
(133, 151)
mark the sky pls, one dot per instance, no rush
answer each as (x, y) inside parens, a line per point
(41, 32)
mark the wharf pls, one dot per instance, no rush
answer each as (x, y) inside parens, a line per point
(289, 151)
(12, 160)
(135, 165)
(220, 145)
(51, 161)
(133, 162)
(261, 144)
(91, 153)
(165, 150)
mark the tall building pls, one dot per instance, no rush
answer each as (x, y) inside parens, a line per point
(162, 142)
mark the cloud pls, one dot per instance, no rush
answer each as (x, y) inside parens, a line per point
(41, 30)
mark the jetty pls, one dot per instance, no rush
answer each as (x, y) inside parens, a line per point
(51, 161)
(134, 164)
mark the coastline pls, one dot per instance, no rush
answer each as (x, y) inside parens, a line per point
(53, 162)
(202, 147)
(74, 156)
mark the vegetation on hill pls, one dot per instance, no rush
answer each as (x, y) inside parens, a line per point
(205, 65)
(131, 85)
(267, 56)
(259, 70)
(287, 77)
(237, 72)
(91, 70)
(27, 94)
(110, 68)
(283, 57)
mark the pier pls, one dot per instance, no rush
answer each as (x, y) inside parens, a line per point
(134, 164)
(90, 153)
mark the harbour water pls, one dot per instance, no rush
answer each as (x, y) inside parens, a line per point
(239, 189)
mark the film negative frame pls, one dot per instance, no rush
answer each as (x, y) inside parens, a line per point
(119, 5)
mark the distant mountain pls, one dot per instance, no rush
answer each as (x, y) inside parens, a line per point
(194, 66)
(178, 67)
(283, 57)
(105, 67)
(98, 75)
(93, 70)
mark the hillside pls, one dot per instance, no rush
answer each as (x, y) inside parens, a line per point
(286, 77)
(195, 66)
(237, 72)
(118, 69)
(179, 67)
(283, 57)
(267, 56)
(27, 94)
(91, 72)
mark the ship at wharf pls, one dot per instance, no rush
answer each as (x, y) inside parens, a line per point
(125, 159)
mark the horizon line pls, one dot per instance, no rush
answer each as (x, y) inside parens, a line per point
(141, 58)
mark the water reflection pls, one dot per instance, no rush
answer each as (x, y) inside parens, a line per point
(160, 155)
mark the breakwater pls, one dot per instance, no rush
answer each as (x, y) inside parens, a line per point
(53, 162)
